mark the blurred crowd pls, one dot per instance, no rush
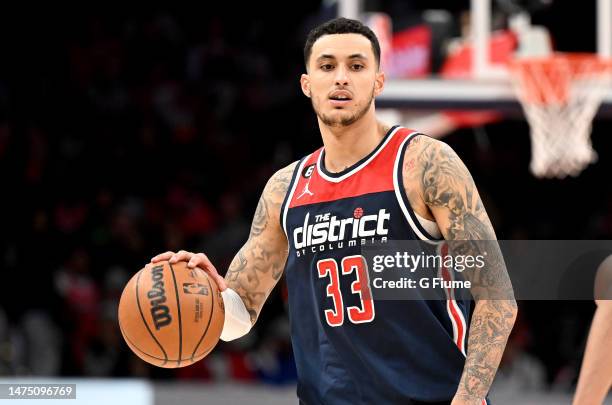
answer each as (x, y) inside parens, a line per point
(123, 135)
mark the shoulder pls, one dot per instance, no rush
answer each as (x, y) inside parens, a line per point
(278, 185)
(426, 148)
(271, 199)
(429, 160)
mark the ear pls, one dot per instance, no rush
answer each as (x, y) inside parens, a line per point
(379, 83)
(305, 83)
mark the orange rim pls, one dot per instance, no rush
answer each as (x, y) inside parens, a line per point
(547, 80)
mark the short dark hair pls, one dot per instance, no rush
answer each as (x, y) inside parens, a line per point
(341, 26)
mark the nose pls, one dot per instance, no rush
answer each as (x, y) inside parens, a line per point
(341, 76)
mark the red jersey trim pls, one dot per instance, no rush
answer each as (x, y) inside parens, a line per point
(294, 182)
(374, 175)
(378, 149)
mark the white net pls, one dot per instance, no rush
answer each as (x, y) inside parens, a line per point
(560, 96)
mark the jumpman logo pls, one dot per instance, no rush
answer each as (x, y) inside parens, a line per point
(305, 191)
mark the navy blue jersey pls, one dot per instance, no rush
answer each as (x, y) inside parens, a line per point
(350, 348)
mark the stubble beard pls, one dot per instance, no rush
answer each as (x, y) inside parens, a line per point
(343, 121)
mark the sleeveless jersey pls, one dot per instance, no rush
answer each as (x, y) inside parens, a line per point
(349, 348)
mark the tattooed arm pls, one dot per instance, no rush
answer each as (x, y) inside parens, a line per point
(438, 184)
(259, 264)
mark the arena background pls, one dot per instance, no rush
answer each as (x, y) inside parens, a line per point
(125, 132)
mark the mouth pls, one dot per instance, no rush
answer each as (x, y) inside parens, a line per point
(340, 98)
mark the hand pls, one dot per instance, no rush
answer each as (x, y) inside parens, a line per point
(193, 260)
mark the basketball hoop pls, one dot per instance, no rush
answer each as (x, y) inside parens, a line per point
(560, 95)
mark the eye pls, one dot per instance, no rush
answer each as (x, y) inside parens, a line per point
(357, 66)
(327, 67)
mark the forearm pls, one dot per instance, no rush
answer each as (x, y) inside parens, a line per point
(596, 372)
(259, 264)
(243, 279)
(490, 327)
(253, 273)
(492, 319)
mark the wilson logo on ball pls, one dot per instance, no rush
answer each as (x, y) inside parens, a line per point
(157, 296)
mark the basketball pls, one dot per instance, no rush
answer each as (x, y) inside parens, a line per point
(171, 316)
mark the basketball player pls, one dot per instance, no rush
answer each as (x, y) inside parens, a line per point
(596, 372)
(367, 182)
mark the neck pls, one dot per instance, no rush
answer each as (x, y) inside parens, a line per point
(345, 146)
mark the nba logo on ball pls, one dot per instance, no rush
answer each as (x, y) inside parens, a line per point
(195, 288)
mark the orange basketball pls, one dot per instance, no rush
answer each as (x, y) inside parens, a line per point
(171, 316)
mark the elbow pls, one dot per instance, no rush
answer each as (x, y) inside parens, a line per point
(507, 309)
(513, 309)
(511, 303)
(511, 312)
(511, 306)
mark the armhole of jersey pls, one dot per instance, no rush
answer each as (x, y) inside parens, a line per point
(400, 192)
(289, 195)
(456, 314)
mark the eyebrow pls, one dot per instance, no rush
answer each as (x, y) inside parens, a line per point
(352, 56)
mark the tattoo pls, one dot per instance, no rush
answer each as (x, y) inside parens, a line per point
(489, 329)
(279, 183)
(260, 220)
(447, 183)
(260, 262)
(237, 265)
(446, 187)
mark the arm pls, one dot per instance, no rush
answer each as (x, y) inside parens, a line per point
(439, 181)
(257, 266)
(596, 371)
(260, 262)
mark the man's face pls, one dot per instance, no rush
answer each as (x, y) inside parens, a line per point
(342, 79)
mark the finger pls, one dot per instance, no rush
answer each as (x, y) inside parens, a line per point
(181, 256)
(199, 260)
(221, 283)
(162, 257)
(202, 261)
(217, 279)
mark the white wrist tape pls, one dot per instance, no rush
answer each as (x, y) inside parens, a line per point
(237, 318)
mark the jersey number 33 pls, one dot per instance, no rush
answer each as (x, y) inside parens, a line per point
(362, 313)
